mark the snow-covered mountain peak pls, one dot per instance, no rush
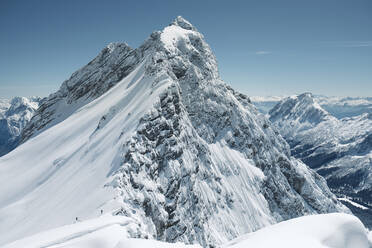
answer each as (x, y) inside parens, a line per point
(302, 109)
(18, 104)
(14, 115)
(178, 51)
(187, 51)
(338, 149)
(183, 23)
(153, 133)
(307, 96)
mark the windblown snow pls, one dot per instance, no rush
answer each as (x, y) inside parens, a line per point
(154, 134)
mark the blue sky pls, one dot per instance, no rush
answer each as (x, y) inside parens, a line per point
(263, 47)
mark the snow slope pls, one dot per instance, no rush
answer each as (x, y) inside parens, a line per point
(316, 231)
(154, 134)
(67, 155)
(14, 115)
(103, 232)
(338, 149)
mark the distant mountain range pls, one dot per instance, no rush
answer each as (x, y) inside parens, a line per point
(339, 107)
(338, 149)
(14, 115)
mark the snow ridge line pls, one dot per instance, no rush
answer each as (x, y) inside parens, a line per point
(75, 235)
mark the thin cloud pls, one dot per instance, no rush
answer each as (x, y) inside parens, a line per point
(263, 52)
(358, 44)
(349, 43)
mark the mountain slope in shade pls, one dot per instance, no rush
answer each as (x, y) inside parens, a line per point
(339, 150)
(154, 134)
(14, 115)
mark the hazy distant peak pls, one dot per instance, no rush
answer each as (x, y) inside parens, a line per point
(301, 108)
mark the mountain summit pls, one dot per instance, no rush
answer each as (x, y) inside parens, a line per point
(302, 108)
(174, 49)
(154, 134)
(181, 22)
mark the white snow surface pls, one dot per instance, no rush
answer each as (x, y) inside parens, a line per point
(104, 232)
(64, 170)
(317, 231)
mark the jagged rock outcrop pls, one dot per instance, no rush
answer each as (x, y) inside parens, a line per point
(113, 63)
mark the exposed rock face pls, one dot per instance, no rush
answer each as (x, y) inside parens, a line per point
(14, 115)
(339, 150)
(187, 156)
(113, 63)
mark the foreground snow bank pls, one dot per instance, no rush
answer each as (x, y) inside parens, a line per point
(104, 232)
(317, 231)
